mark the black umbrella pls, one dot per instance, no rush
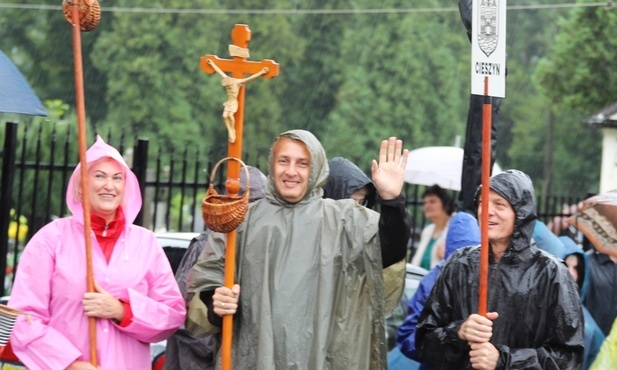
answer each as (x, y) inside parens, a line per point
(16, 96)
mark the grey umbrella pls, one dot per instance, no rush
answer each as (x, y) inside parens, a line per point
(16, 96)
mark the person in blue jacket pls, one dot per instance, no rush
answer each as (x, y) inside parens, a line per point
(463, 232)
(576, 260)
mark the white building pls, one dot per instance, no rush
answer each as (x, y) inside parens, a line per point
(606, 119)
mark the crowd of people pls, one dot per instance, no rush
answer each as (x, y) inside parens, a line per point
(318, 271)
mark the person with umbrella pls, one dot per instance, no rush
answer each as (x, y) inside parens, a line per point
(137, 300)
(534, 317)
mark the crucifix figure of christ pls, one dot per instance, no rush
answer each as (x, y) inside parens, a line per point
(234, 72)
(232, 87)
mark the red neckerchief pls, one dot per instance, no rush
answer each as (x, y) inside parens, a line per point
(107, 233)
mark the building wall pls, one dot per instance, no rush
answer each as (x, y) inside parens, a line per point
(608, 173)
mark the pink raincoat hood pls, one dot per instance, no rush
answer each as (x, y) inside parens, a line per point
(131, 205)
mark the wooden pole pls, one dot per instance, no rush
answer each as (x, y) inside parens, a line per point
(239, 66)
(486, 167)
(81, 137)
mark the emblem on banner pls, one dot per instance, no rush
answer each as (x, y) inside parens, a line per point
(488, 26)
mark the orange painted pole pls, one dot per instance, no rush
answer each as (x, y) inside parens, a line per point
(81, 137)
(239, 66)
(486, 166)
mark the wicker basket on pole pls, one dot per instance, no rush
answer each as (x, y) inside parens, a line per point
(224, 213)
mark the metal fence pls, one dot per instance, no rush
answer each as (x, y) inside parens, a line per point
(37, 163)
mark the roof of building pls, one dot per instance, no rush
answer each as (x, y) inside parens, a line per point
(606, 117)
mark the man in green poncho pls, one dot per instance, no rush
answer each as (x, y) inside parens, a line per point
(312, 270)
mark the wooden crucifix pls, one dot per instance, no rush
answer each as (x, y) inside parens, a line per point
(239, 66)
(233, 116)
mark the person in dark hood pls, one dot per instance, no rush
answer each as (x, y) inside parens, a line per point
(309, 271)
(346, 180)
(185, 351)
(534, 319)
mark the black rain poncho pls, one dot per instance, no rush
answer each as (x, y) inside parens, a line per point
(540, 323)
(312, 291)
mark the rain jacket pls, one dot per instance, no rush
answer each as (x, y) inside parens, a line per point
(562, 247)
(51, 282)
(540, 323)
(345, 178)
(593, 334)
(463, 232)
(184, 351)
(601, 295)
(607, 358)
(312, 292)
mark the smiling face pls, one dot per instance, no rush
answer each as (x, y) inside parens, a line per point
(106, 184)
(291, 169)
(501, 218)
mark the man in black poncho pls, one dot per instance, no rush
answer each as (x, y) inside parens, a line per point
(534, 318)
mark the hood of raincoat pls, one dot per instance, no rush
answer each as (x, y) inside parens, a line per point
(131, 204)
(345, 178)
(318, 168)
(516, 187)
(570, 247)
(257, 183)
(561, 247)
(547, 241)
(462, 232)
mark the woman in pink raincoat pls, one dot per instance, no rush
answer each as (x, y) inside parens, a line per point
(137, 300)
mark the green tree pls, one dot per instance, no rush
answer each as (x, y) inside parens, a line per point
(578, 77)
(399, 80)
(40, 43)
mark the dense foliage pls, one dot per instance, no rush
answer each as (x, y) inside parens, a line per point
(351, 78)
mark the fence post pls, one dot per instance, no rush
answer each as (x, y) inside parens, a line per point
(6, 191)
(140, 168)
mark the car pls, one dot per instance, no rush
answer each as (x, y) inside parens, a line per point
(175, 245)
